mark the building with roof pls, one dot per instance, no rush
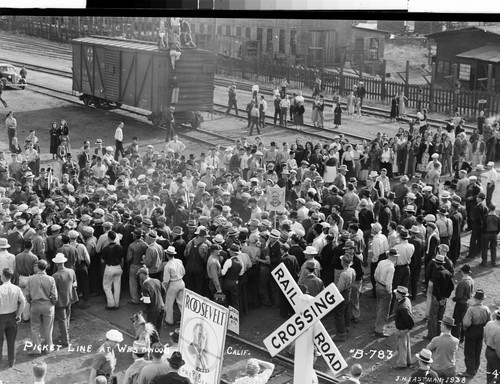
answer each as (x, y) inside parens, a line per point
(307, 42)
(472, 50)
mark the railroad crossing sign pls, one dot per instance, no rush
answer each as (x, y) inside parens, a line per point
(305, 327)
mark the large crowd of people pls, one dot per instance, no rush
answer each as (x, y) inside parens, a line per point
(154, 222)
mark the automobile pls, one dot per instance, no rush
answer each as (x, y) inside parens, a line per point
(10, 76)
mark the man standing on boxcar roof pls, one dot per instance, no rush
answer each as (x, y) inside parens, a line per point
(231, 92)
(119, 141)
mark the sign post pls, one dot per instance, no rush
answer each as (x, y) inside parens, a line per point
(305, 327)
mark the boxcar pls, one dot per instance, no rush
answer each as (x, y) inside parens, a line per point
(110, 72)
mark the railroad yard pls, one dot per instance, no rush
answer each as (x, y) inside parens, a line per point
(49, 98)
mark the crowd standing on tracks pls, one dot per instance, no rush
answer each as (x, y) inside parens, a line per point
(157, 222)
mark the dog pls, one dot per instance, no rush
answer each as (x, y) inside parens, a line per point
(145, 331)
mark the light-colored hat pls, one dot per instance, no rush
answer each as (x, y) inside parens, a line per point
(275, 234)
(55, 227)
(218, 239)
(114, 335)
(480, 167)
(427, 188)
(73, 234)
(490, 164)
(439, 259)
(411, 195)
(363, 203)
(343, 167)
(403, 291)
(435, 156)
(376, 227)
(425, 356)
(310, 250)
(430, 218)
(109, 149)
(373, 174)
(4, 244)
(85, 218)
(472, 178)
(404, 179)
(60, 258)
(171, 250)
(139, 347)
(99, 211)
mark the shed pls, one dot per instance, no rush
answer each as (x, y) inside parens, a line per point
(472, 49)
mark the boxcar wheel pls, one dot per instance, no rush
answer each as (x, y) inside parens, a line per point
(86, 101)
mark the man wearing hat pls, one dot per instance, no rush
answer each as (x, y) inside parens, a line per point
(408, 217)
(135, 252)
(175, 362)
(383, 277)
(139, 354)
(25, 268)
(491, 178)
(424, 373)
(402, 266)
(492, 354)
(401, 190)
(470, 198)
(350, 203)
(431, 202)
(66, 283)
(173, 284)
(442, 288)
(196, 255)
(379, 248)
(463, 293)
(444, 348)
(444, 226)
(473, 323)
(404, 322)
(152, 293)
(416, 260)
(153, 257)
(231, 272)
(342, 312)
(41, 294)
(313, 283)
(104, 362)
(13, 303)
(477, 215)
(457, 221)
(340, 181)
(490, 230)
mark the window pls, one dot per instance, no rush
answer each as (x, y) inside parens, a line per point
(374, 47)
(446, 68)
(281, 48)
(210, 29)
(202, 28)
(238, 31)
(248, 32)
(293, 42)
(259, 35)
(440, 67)
(269, 40)
(464, 72)
(219, 29)
(228, 30)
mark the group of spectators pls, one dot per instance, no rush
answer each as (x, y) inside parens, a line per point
(157, 222)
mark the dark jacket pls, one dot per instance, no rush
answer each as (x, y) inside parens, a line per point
(403, 318)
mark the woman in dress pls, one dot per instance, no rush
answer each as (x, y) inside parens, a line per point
(314, 113)
(357, 152)
(350, 101)
(402, 104)
(386, 159)
(348, 160)
(65, 135)
(447, 150)
(364, 161)
(337, 116)
(55, 133)
(308, 151)
(331, 162)
(375, 153)
(394, 108)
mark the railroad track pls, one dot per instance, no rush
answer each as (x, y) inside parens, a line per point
(48, 50)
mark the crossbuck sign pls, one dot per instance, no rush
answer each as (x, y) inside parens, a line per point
(305, 326)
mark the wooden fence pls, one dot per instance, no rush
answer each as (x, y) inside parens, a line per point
(469, 103)
(64, 29)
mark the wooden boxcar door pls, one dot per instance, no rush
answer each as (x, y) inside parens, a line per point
(162, 84)
(112, 74)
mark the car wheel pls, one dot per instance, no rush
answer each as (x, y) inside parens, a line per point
(86, 101)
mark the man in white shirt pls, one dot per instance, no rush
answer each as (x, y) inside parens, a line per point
(491, 178)
(176, 145)
(119, 141)
(212, 159)
(383, 278)
(262, 111)
(284, 107)
(302, 210)
(99, 169)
